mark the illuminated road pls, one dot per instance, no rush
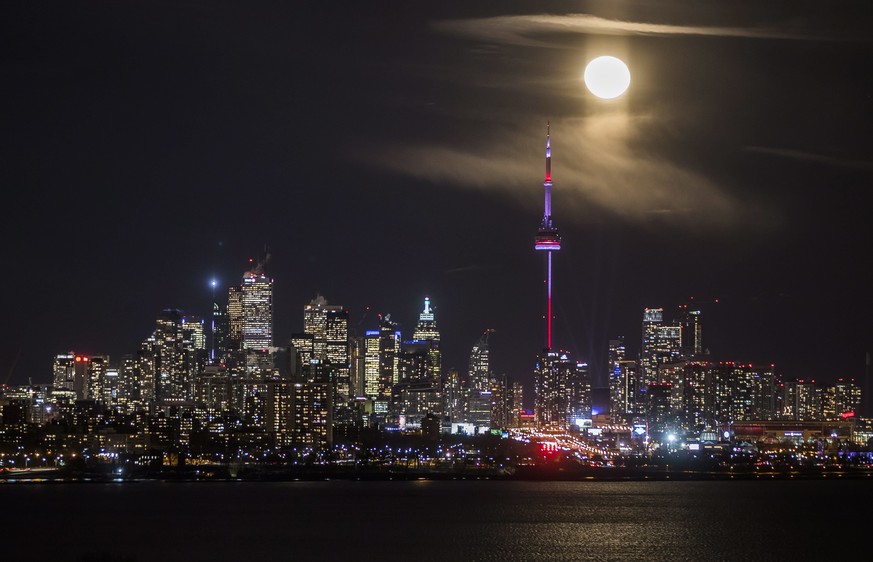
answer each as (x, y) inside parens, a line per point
(562, 441)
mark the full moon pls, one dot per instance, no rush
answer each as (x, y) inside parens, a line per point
(607, 77)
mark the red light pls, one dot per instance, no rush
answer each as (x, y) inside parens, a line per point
(84, 359)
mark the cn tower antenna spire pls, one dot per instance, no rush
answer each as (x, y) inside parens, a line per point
(548, 151)
(547, 237)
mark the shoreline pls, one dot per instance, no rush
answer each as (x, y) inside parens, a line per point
(523, 474)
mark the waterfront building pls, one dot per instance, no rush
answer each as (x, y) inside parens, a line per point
(842, 400)
(801, 400)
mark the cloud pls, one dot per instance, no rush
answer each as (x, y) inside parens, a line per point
(518, 30)
(595, 170)
(468, 269)
(812, 157)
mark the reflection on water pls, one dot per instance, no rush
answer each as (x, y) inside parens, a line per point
(458, 520)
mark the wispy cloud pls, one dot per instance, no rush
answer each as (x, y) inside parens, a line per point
(526, 29)
(812, 157)
(467, 269)
(594, 169)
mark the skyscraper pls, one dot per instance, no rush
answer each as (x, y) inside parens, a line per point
(256, 303)
(692, 332)
(97, 365)
(661, 344)
(426, 331)
(176, 352)
(220, 327)
(321, 356)
(233, 345)
(563, 390)
(802, 400)
(479, 377)
(249, 336)
(479, 397)
(618, 384)
(381, 373)
(315, 323)
(329, 327)
(371, 365)
(842, 399)
(652, 319)
(63, 371)
(389, 348)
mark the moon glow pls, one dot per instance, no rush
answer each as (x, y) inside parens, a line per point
(607, 77)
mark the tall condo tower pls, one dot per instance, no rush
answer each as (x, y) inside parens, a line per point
(547, 238)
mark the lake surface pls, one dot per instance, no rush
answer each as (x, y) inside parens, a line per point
(437, 520)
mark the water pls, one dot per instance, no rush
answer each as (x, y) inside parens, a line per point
(437, 520)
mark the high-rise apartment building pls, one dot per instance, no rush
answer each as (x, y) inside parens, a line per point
(690, 323)
(175, 353)
(752, 392)
(842, 400)
(802, 400)
(479, 373)
(661, 343)
(562, 390)
(618, 387)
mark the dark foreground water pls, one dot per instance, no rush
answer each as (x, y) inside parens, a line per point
(438, 520)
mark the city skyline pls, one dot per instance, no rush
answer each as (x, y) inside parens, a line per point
(142, 172)
(685, 323)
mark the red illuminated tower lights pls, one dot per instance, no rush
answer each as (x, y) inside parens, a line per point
(547, 237)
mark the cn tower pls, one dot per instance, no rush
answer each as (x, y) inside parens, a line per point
(547, 238)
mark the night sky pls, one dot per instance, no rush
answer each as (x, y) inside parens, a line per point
(385, 151)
